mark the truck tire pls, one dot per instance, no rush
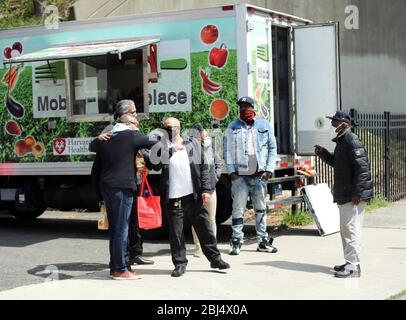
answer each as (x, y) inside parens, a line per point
(26, 215)
(29, 203)
(224, 199)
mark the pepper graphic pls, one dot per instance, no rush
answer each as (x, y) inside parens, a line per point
(208, 85)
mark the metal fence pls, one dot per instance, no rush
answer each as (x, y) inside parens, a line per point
(384, 137)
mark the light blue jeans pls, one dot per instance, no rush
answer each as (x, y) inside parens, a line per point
(240, 189)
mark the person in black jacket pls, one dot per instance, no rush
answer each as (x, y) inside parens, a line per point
(352, 187)
(135, 242)
(185, 188)
(117, 184)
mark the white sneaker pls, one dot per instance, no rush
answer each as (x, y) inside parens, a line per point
(235, 247)
(265, 246)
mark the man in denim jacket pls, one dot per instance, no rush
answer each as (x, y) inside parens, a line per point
(250, 156)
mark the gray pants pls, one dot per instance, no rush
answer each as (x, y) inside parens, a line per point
(351, 219)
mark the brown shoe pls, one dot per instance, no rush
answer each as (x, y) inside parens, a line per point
(126, 275)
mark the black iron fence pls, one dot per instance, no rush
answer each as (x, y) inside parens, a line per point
(384, 137)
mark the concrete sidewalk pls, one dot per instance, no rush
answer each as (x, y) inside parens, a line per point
(300, 270)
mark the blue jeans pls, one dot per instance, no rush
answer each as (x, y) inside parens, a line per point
(240, 190)
(118, 204)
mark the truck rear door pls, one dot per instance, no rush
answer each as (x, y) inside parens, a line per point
(317, 84)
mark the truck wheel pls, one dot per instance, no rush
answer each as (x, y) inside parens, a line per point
(27, 215)
(224, 200)
(29, 203)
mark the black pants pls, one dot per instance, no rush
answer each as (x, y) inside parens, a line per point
(134, 235)
(189, 208)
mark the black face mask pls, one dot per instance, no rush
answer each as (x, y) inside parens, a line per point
(171, 132)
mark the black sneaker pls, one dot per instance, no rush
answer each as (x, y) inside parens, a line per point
(219, 264)
(346, 273)
(266, 246)
(235, 247)
(340, 267)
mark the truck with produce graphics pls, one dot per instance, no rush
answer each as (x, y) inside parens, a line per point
(58, 89)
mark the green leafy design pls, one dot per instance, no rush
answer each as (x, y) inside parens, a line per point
(38, 128)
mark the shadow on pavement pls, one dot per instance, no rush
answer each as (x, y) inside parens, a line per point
(294, 266)
(64, 271)
(16, 233)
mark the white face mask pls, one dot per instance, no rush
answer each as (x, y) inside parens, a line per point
(207, 142)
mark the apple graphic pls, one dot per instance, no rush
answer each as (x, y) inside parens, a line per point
(18, 46)
(7, 52)
(218, 56)
(209, 34)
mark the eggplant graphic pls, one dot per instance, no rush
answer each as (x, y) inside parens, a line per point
(15, 109)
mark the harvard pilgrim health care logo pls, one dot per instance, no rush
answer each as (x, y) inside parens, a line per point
(71, 146)
(59, 145)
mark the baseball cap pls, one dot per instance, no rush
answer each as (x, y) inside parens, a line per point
(246, 100)
(341, 116)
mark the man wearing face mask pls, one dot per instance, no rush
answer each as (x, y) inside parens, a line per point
(215, 165)
(352, 187)
(185, 190)
(250, 156)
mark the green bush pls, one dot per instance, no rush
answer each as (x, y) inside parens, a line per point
(297, 219)
(22, 13)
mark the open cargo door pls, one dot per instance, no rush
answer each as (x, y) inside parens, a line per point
(317, 85)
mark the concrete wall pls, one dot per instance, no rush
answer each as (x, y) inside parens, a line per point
(373, 58)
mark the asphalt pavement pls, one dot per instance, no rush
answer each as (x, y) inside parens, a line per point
(64, 256)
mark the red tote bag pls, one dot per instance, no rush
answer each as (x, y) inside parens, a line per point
(149, 208)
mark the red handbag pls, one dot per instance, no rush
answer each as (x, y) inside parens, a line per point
(148, 207)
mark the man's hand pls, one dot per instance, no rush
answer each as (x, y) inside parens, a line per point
(105, 136)
(178, 146)
(233, 176)
(206, 198)
(356, 200)
(266, 175)
(318, 150)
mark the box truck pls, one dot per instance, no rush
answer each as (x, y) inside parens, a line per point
(59, 87)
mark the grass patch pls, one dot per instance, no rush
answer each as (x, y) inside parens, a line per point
(376, 203)
(297, 219)
(397, 296)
